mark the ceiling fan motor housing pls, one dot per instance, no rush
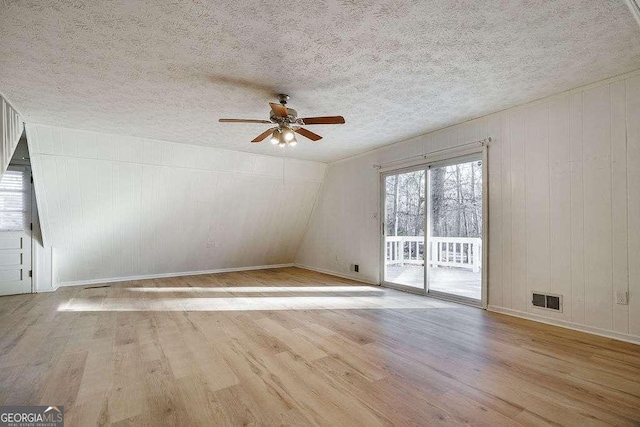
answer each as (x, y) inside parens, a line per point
(292, 117)
(283, 98)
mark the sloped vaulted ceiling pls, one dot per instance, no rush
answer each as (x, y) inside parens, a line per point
(393, 68)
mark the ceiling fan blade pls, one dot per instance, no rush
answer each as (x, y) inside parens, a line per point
(328, 120)
(308, 134)
(279, 110)
(242, 121)
(263, 135)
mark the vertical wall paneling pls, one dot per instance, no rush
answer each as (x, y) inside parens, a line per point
(597, 213)
(564, 206)
(633, 184)
(560, 200)
(495, 209)
(620, 248)
(42, 257)
(506, 212)
(107, 246)
(577, 211)
(119, 207)
(536, 199)
(519, 298)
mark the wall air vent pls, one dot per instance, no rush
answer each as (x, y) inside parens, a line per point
(539, 300)
(546, 301)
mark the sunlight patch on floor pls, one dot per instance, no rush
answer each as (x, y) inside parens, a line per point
(248, 304)
(258, 289)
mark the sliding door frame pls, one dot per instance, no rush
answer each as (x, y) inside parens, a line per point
(383, 216)
(474, 153)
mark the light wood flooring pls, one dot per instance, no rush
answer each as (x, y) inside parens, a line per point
(294, 347)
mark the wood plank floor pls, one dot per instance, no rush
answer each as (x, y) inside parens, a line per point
(294, 347)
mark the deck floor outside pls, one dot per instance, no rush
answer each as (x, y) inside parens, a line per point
(455, 281)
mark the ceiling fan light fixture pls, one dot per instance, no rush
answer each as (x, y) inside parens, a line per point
(275, 137)
(288, 134)
(286, 122)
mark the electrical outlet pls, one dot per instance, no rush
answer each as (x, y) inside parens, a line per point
(622, 297)
(354, 268)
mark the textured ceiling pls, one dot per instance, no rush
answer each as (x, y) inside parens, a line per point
(393, 68)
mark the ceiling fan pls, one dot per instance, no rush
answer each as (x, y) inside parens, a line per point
(287, 124)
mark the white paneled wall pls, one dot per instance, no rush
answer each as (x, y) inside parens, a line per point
(564, 202)
(11, 127)
(115, 207)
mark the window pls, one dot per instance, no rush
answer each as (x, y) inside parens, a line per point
(13, 200)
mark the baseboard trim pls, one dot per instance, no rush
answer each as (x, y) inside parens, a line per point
(165, 275)
(568, 325)
(44, 291)
(334, 273)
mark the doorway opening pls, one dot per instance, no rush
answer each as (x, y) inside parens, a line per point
(433, 228)
(15, 231)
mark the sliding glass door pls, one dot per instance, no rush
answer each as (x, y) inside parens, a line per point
(404, 216)
(455, 230)
(445, 199)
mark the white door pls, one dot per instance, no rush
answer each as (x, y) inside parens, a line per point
(15, 231)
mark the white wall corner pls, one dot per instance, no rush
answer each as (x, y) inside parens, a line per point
(357, 278)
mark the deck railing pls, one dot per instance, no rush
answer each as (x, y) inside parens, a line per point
(460, 252)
